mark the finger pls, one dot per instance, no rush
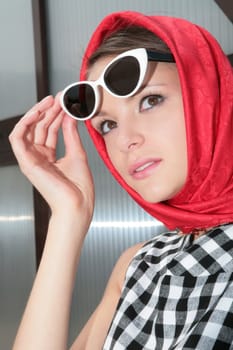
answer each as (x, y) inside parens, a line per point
(27, 119)
(42, 128)
(52, 134)
(32, 117)
(72, 140)
(41, 106)
(24, 129)
(19, 135)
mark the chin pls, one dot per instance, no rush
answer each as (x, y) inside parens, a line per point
(154, 197)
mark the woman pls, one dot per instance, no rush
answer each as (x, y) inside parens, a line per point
(158, 106)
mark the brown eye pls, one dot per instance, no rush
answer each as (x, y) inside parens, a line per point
(106, 126)
(150, 101)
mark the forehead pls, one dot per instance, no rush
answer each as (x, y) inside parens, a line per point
(97, 68)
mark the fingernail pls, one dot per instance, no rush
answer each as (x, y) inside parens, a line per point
(45, 98)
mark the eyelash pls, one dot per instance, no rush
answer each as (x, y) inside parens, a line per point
(100, 126)
(159, 98)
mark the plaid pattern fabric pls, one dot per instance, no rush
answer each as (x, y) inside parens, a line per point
(178, 294)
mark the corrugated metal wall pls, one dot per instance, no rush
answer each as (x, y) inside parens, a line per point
(17, 250)
(118, 222)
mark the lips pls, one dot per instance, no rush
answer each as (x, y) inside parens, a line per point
(144, 168)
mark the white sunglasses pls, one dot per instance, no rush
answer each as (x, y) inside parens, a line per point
(122, 77)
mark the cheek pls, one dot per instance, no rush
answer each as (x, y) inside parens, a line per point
(112, 153)
(118, 159)
(175, 129)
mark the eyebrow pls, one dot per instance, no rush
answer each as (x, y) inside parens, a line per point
(151, 85)
(99, 115)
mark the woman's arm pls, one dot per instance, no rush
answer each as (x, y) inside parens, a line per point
(67, 186)
(46, 317)
(95, 331)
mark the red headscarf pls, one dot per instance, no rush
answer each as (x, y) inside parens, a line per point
(206, 78)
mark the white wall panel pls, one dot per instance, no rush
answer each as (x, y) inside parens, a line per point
(17, 64)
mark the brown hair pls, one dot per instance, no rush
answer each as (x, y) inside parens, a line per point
(128, 38)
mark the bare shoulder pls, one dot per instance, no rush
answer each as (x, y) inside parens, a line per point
(95, 331)
(123, 262)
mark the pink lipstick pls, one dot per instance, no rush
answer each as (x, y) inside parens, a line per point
(144, 168)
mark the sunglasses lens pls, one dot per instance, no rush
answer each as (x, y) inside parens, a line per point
(79, 100)
(122, 76)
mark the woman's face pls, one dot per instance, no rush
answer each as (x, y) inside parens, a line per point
(145, 134)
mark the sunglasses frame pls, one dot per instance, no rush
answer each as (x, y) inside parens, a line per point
(142, 56)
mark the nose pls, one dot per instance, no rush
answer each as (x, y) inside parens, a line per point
(130, 136)
(129, 131)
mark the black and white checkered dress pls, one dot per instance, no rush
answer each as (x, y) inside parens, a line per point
(178, 294)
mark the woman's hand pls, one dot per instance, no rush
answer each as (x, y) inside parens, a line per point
(66, 183)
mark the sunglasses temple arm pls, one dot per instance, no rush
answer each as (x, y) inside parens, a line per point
(159, 56)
